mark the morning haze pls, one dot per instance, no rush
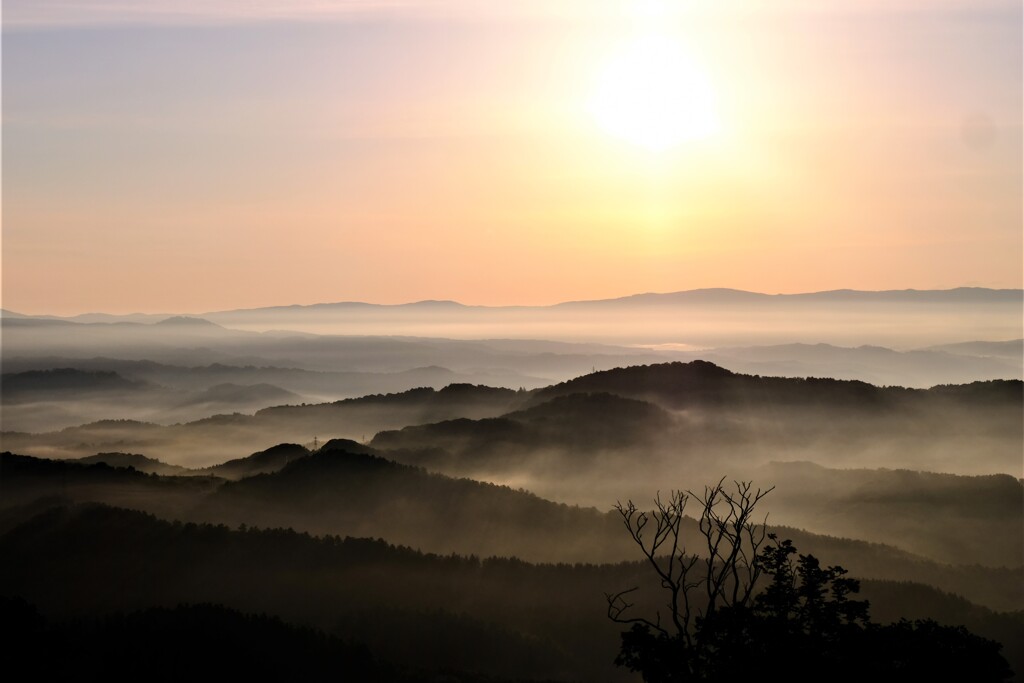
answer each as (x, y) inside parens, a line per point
(592, 341)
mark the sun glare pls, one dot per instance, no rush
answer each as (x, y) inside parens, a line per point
(654, 95)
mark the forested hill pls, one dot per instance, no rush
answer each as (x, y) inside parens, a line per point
(703, 384)
(501, 617)
(366, 495)
(338, 492)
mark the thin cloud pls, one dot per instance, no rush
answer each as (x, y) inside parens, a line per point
(53, 13)
(33, 14)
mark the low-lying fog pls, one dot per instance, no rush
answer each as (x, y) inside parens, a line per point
(62, 373)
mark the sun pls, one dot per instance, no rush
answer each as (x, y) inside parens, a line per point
(653, 95)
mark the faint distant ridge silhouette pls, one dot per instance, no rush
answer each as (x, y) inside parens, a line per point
(187, 320)
(727, 296)
(719, 296)
(710, 295)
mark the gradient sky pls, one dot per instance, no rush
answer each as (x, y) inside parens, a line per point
(197, 155)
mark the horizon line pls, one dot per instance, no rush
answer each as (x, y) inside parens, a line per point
(454, 303)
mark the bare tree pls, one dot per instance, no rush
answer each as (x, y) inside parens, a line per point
(803, 626)
(723, 572)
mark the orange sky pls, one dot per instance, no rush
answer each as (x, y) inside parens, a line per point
(168, 161)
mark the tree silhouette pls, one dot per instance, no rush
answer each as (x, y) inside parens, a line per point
(720, 626)
(731, 539)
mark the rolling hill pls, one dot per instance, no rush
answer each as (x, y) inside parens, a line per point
(495, 616)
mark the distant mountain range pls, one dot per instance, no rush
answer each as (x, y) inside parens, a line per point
(704, 296)
(725, 296)
(701, 318)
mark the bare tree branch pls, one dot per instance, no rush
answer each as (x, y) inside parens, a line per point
(731, 543)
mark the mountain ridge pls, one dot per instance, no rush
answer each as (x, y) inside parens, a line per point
(702, 295)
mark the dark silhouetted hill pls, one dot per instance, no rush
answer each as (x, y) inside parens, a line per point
(993, 392)
(355, 493)
(339, 492)
(703, 384)
(581, 423)
(414, 611)
(700, 383)
(980, 515)
(188, 642)
(263, 462)
(135, 461)
(220, 437)
(497, 616)
(409, 407)
(347, 445)
(25, 479)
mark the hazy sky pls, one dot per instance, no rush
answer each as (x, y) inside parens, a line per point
(196, 155)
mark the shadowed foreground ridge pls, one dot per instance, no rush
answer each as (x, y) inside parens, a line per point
(188, 642)
(201, 642)
(498, 617)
